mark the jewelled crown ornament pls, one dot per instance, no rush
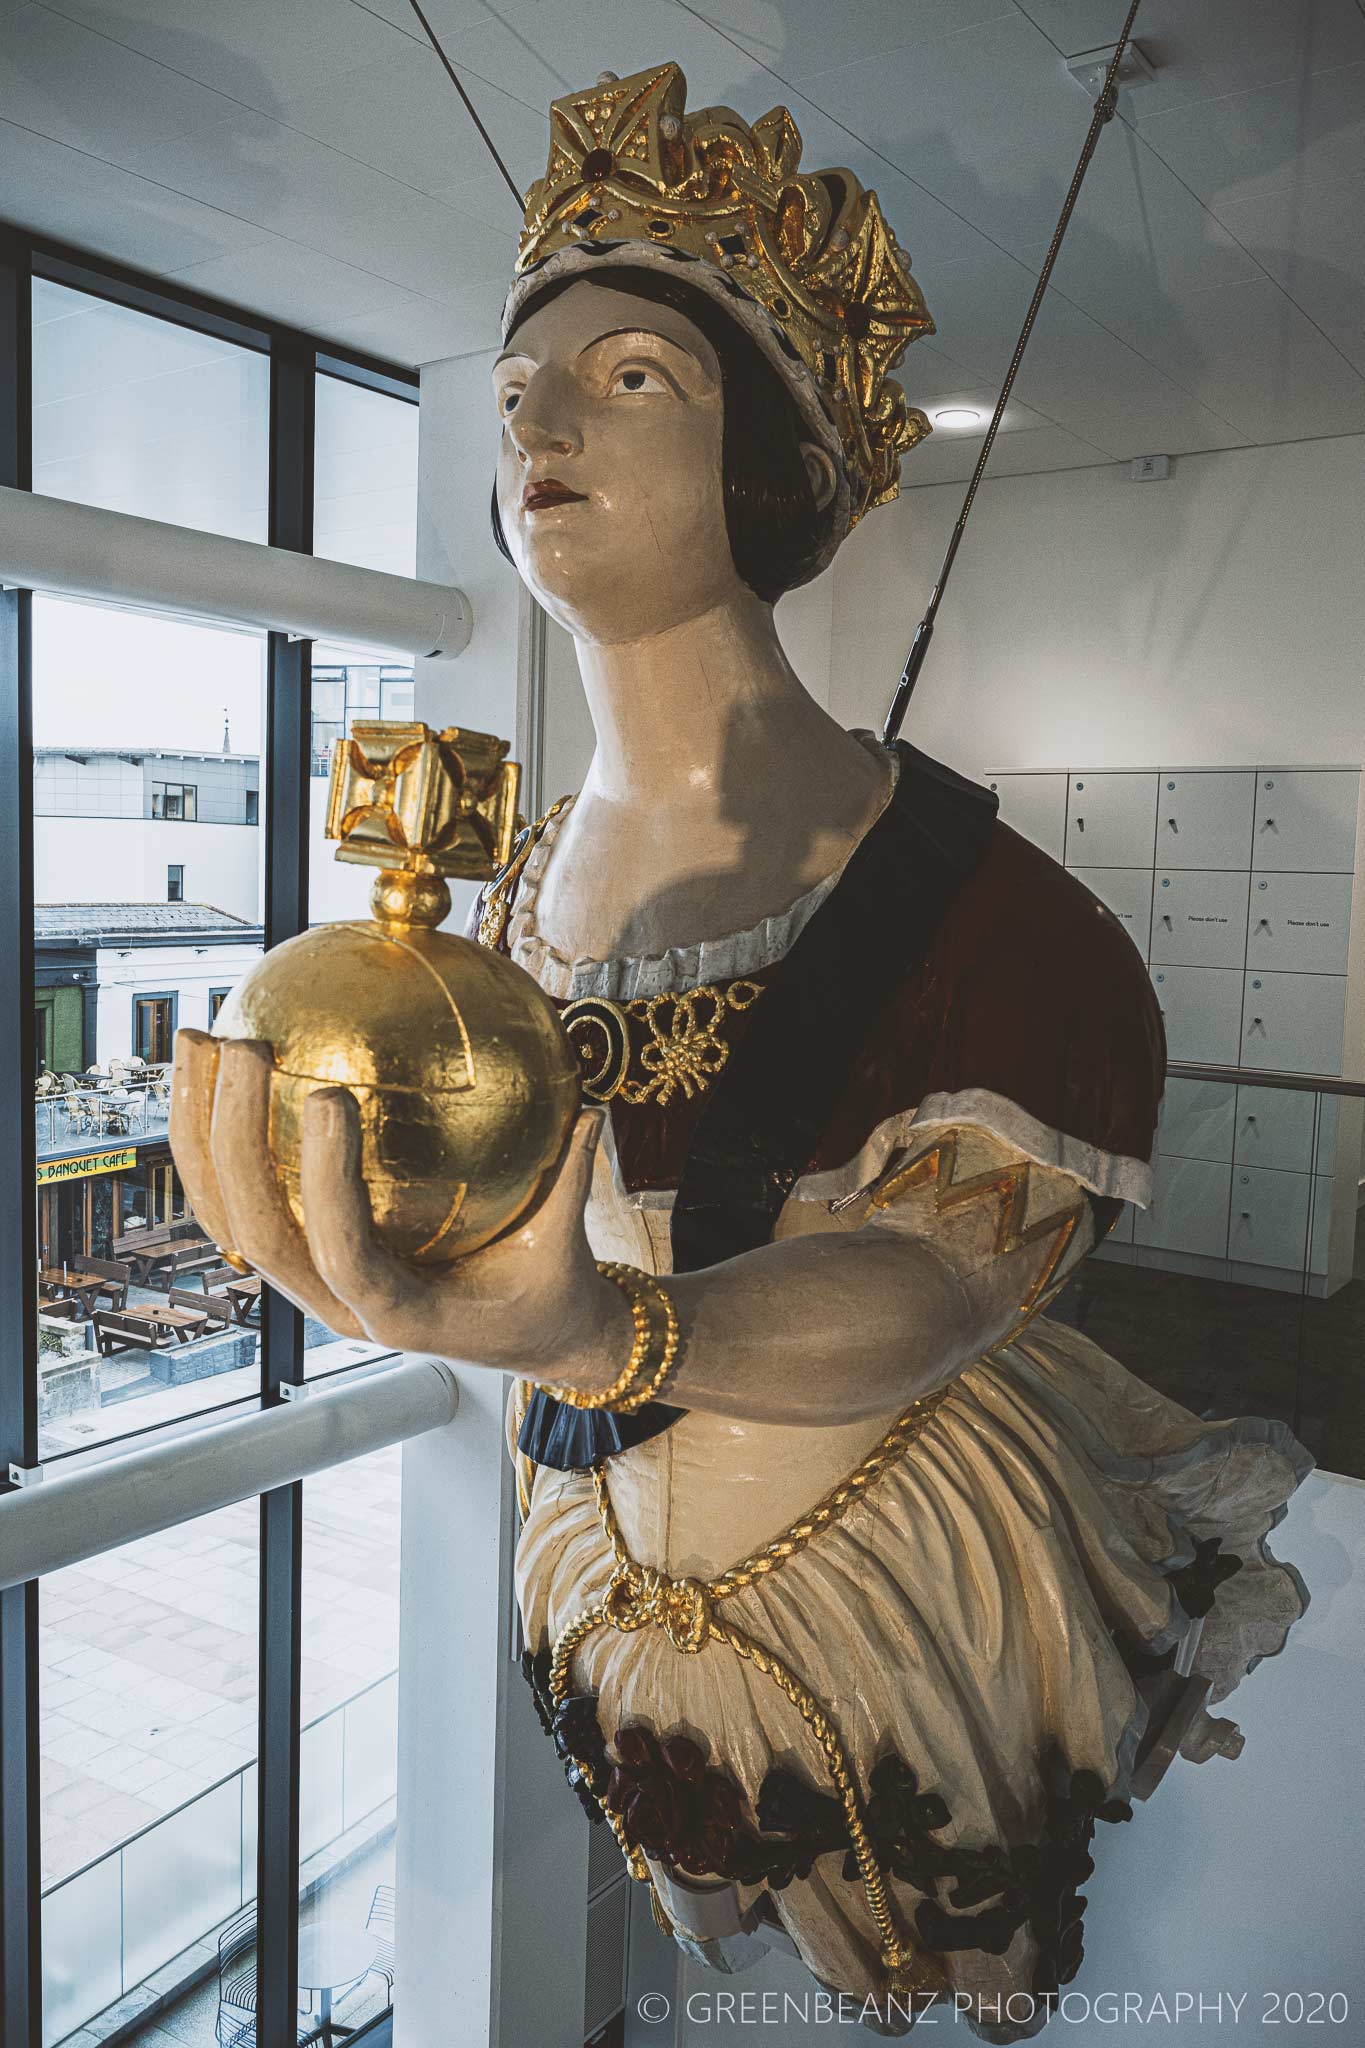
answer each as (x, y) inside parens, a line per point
(803, 260)
(466, 1082)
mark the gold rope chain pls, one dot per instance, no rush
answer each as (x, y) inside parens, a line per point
(685, 1609)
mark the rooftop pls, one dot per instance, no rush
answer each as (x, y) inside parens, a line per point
(97, 923)
(136, 755)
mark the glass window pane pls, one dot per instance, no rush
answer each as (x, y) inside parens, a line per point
(365, 478)
(365, 512)
(141, 415)
(349, 1738)
(148, 879)
(148, 1741)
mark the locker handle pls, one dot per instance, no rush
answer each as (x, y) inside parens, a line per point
(1171, 822)
(1080, 824)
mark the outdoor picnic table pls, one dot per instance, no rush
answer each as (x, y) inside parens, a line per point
(58, 1282)
(245, 1295)
(150, 1326)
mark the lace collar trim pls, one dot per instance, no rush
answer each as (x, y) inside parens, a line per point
(628, 975)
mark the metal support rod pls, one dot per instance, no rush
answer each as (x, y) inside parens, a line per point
(83, 1510)
(288, 750)
(1104, 113)
(1264, 1077)
(20, 1887)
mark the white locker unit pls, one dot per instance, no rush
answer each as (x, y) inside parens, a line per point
(1111, 821)
(1205, 818)
(1189, 1208)
(1035, 807)
(1293, 1022)
(1306, 820)
(1299, 923)
(1201, 1007)
(1236, 886)
(1199, 918)
(1128, 893)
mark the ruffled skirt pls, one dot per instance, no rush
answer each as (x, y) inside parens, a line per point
(987, 1613)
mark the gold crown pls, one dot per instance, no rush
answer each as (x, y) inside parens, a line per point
(629, 165)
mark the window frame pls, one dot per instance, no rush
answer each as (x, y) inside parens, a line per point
(169, 996)
(186, 795)
(175, 881)
(297, 359)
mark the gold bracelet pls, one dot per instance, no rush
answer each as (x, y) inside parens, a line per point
(655, 1345)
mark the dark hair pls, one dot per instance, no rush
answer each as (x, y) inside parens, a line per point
(775, 527)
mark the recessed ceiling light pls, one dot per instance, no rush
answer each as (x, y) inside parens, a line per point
(957, 416)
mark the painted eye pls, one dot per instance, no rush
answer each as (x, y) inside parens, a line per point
(509, 402)
(633, 381)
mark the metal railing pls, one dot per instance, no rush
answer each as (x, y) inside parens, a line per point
(54, 1519)
(1264, 1077)
(82, 1107)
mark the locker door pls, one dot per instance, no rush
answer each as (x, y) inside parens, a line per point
(1197, 1119)
(1111, 821)
(1320, 1222)
(1269, 1224)
(1189, 1211)
(1205, 819)
(1201, 1006)
(1299, 923)
(1295, 1022)
(1035, 807)
(1306, 819)
(1128, 893)
(1199, 918)
(1275, 1128)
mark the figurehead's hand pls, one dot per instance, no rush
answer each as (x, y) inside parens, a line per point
(532, 1302)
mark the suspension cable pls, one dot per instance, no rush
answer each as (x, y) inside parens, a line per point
(1105, 107)
(473, 111)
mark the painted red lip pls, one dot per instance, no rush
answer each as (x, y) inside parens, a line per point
(549, 491)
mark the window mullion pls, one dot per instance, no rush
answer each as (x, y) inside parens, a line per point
(20, 1887)
(288, 694)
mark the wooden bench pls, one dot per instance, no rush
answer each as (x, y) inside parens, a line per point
(141, 1249)
(96, 1278)
(176, 1260)
(153, 1252)
(145, 1329)
(216, 1306)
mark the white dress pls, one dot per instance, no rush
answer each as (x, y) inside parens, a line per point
(983, 1607)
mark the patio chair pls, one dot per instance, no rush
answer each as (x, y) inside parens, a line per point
(80, 1114)
(379, 1921)
(237, 1981)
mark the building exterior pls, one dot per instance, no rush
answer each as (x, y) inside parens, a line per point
(155, 827)
(113, 982)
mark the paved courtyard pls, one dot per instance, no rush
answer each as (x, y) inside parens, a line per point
(149, 1653)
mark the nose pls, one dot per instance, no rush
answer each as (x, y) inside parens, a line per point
(543, 422)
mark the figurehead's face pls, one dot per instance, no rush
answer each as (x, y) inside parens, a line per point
(610, 482)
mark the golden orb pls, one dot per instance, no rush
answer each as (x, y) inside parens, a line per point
(467, 1084)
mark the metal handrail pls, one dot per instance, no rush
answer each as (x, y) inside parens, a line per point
(50, 1520)
(1264, 1077)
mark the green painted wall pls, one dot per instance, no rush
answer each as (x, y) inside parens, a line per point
(59, 1013)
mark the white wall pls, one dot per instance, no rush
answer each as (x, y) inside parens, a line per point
(124, 860)
(156, 970)
(1091, 621)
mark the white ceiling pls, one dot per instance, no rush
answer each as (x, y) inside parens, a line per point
(308, 159)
